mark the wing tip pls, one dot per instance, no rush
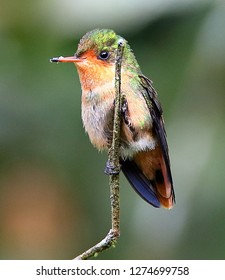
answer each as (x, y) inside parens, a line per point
(140, 183)
(167, 203)
(144, 187)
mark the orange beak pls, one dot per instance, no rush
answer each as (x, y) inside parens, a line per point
(73, 59)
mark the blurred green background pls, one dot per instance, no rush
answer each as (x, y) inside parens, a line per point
(54, 196)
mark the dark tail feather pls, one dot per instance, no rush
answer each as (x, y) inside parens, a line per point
(139, 182)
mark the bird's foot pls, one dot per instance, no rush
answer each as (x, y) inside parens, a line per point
(111, 169)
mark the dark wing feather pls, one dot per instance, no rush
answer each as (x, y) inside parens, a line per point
(155, 110)
(139, 182)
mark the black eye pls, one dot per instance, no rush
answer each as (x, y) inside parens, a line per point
(104, 55)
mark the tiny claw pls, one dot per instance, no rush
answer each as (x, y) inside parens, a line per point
(124, 105)
(111, 169)
(125, 114)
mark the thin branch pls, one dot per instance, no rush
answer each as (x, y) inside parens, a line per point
(113, 168)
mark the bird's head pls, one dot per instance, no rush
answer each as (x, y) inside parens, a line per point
(98, 48)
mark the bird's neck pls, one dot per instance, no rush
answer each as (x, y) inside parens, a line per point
(96, 76)
(98, 82)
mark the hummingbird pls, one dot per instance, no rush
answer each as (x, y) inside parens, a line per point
(144, 155)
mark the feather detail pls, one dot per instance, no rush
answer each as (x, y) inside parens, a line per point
(150, 173)
(153, 167)
(147, 174)
(139, 182)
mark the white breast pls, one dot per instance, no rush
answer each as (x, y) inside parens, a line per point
(94, 117)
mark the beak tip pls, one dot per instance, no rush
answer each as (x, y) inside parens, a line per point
(54, 59)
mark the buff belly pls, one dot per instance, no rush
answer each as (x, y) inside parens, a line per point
(98, 124)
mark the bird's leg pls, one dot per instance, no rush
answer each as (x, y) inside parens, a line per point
(125, 114)
(111, 169)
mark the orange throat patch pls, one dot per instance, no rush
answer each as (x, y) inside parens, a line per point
(93, 72)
